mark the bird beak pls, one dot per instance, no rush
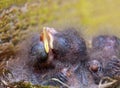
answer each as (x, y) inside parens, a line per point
(47, 37)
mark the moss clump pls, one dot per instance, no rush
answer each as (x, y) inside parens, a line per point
(7, 3)
(23, 84)
(11, 27)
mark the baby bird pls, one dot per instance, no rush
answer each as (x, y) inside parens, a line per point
(104, 59)
(61, 49)
(66, 46)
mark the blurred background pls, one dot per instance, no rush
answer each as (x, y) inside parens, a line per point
(94, 16)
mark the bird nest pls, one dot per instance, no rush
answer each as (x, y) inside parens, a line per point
(12, 31)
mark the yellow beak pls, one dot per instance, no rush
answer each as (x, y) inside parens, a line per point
(48, 39)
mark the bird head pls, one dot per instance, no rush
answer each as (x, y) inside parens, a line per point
(42, 47)
(50, 43)
(106, 42)
(39, 52)
(54, 41)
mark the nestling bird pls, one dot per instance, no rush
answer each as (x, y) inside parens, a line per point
(61, 49)
(66, 46)
(104, 57)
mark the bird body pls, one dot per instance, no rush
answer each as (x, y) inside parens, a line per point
(105, 53)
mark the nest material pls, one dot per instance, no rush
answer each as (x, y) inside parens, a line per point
(108, 82)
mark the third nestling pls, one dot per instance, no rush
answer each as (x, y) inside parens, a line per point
(104, 57)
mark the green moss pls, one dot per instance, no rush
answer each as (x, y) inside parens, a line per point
(23, 84)
(8, 3)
